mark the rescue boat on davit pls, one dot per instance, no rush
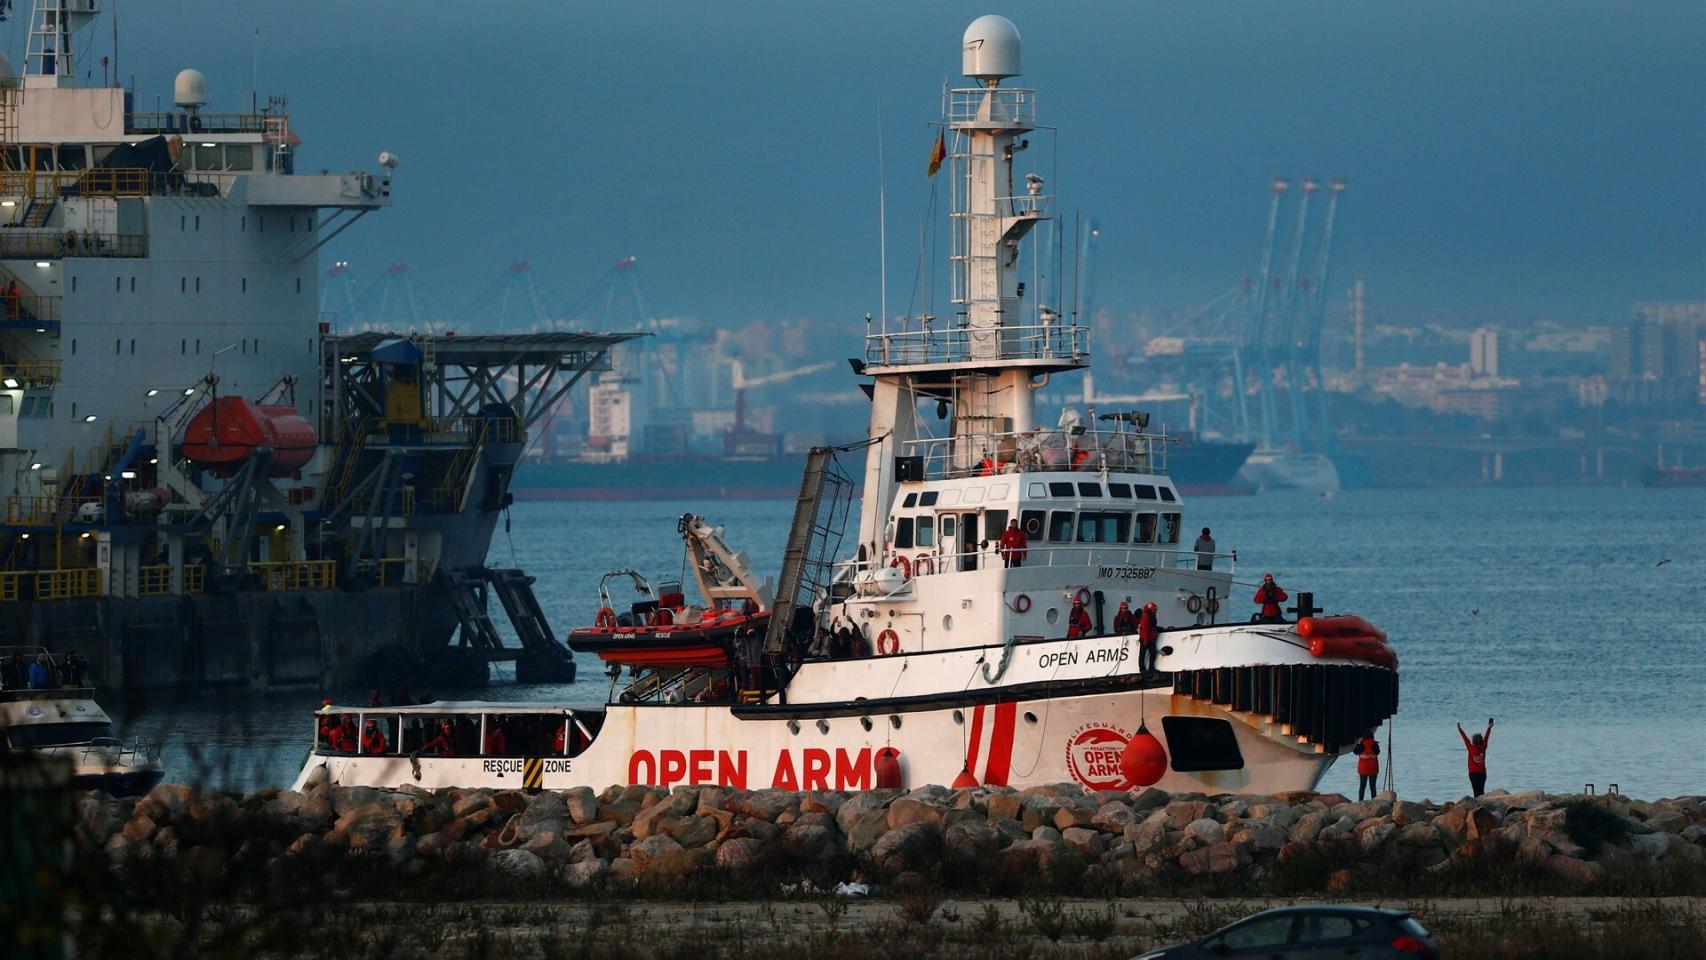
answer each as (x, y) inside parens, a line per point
(971, 637)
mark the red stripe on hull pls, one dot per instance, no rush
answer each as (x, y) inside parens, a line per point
(976, 739)
(1001, 745)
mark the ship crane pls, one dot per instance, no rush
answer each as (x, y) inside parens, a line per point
(723, 573)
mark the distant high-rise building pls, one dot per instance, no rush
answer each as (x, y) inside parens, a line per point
(1484, 352)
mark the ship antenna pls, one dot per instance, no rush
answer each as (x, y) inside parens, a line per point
(882, 215)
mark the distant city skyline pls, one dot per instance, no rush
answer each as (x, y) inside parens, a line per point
(1520, 157)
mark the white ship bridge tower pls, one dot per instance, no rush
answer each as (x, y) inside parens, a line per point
(984, 363)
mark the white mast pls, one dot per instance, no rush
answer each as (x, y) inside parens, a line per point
(49, 61)
(983, 361)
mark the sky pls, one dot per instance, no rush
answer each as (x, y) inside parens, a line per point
(1525, 157)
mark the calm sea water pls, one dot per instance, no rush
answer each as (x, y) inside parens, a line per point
(1574, 616)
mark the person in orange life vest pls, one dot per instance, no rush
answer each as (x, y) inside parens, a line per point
(1270, 595)
(441, 745)
(1078, 622)
(328, 725)
(347, 741)
(1013, 544)
(496, 743)
(372, 739)
(1477, 747)
(1148, 632)
(1125, 622)
(1367, 750)
(561, 738)
(988, 467)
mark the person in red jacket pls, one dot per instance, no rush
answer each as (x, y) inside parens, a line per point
(497, 745)
(1013, 544)
(1125, 621)
(1367, 750)
(1477, 747)
(372, 739)
(1270, 595)
(1078, 622)
(442, 745)
(1148, 633)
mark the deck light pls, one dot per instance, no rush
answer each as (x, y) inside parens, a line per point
(41, 329)
(11, 383)
(36, 465)
(86, 535)
(89, 419)
(154, 391)
(190, 392)
(127, 474)
(153, 459)
(43, 264)
(210, 144)
(24, 536)
(279, 528)
(8, 203)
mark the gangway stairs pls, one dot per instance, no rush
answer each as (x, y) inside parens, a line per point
(540, 658)
(820, 515)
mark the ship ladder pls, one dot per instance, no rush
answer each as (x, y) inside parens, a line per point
(543, 659)
(810, 527)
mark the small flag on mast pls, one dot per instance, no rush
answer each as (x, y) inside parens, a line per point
(938, 153)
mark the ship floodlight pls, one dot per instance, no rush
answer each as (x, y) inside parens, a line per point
(24, 536)
(154, 392)
(127, 474)
(89, 419)
(210, 144)
(189, 392)
(11, 383)
(153, 459)
(41, 329)
(279, 528)
(36, 465)
(86, 535)
(44, 264)
(8, 203)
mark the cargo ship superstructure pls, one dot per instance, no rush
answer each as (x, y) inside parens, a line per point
(943, 647)
(204, 481)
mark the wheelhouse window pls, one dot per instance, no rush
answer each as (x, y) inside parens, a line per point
(1167, 495)
(1169, 528)
(1119, 491)
(1031, 521)
(903, 533)
(1060, 526)
(927, 498)
(1145, 491)
(1145, 528)
(31, 736)
(925, 532)
(1089, 489)
(1036, 491)
(1103, 527)
(910, 501)
(1202, 743)
(239, 156)
(1060, 489)
(994, 522)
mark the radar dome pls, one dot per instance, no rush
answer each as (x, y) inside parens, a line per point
(190, 89)
(991, 48)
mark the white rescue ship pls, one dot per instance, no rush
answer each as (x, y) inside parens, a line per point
(958, 661)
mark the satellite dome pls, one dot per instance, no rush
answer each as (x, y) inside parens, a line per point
(190, 89)
(991, 48)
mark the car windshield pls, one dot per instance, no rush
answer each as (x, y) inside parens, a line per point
(34, 735)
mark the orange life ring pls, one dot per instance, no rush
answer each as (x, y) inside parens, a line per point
(1021, 603)
(904, 565)
(923, 564)
(606, 619)
(1082, 597)
(888, 642)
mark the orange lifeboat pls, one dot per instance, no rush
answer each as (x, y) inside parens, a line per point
(223, 436)
(1343, 625)
(1348, 637)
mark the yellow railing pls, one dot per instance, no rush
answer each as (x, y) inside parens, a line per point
(48, 243)
(47, 511)
(297, 574)
(156, 579)
(67, 584)
(30, 373)
(392, 570)
(11, 585)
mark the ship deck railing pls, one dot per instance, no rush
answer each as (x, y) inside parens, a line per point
(155, 579)
(297, 574)
(1040, 451)
(934, 340)
(16, 585)
(106, 750)
(29, 374)
(114, 182)
(1139, 561)
(41, 511)
(53, 243)
(995, 107)
(182, 122)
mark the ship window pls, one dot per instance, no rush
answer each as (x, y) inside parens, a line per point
(1169, 528)
(36, 735)
(1202, 743)
(118, 284)
(183, 346)
(1103, 527)
(1145, 491)
(994, 523)
(118, 344)
(198, 221)
(100, 152)
(903, 533)
(43, 158)
(198, 345)
(71, 157)
(974, 495)
(183, 284)
(1060, 526)
(1059, 489)
(243, 345)
(926, 531)
(998, 491)
(292, 224)
(1121, 491)
(74, 346)
(1145, 528)
(1089, 489)
(927, 498)
(197, 284)
(243, 224)
(74, 410)
(239, 156)
(950, 497)
(133, 346)
(207, 157)
(910, 501)
(5, 404)
(1167, 495)
(298, 284)
(1031, 521)
(1036, 491)
(245, 284)
(132, 284)
(73, 283)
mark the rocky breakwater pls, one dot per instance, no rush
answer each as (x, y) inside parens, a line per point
(990, 838)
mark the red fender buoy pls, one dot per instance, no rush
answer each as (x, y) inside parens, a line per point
(886, 765)
(965, 780)
(1144, 760)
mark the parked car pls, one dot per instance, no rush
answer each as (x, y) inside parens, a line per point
(1312, 933)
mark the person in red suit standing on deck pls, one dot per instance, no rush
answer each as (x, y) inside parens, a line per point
(1270, 595)
(1078, 622)
(1477, 747)
(1013, 544)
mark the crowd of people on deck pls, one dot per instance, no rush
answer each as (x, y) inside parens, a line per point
(42, 672)
(376, 733)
